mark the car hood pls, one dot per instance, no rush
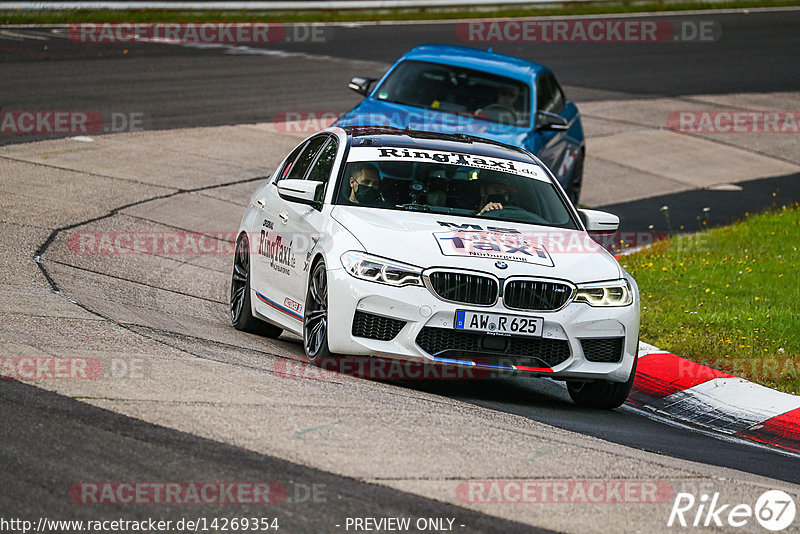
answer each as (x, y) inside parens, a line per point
(372, 112)
(499, 247)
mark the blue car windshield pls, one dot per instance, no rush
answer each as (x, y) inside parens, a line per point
(458, 91)
(454, 189)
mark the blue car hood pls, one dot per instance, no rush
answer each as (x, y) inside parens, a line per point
(372, 112)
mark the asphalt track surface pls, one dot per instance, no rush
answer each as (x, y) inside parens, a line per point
(185, 86)
(182, 86)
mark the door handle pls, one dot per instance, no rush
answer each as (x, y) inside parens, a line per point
(284, 217)
(261, 202)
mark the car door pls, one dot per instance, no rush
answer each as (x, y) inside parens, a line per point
(305, 223)
(274, 265)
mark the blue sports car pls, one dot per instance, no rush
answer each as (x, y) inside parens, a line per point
(453, 89)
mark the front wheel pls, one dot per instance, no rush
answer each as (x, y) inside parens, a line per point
(602, 394)
(315, 323)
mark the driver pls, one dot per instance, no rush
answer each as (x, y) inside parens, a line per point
(496, 191)
(365, 183)
(505, 109)
(507, 96)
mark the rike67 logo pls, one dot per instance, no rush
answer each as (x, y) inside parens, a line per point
(774, 510)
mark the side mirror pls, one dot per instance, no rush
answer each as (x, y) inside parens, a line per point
(546, 120)
(599, 221)
(361, 85)
(302, 191)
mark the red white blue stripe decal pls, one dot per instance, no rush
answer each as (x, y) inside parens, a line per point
(490, 366)
(278, 307)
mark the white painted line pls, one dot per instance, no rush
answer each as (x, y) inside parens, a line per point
(667, 420)
(645, 349)
(727, 405)
(743, 396)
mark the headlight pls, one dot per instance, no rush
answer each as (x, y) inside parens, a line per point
(375, 269)
(616, 293)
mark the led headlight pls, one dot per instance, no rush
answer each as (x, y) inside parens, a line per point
(376, 269)
(616, 293)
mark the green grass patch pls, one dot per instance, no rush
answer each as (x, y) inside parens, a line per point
(20, 16)
(728, 297)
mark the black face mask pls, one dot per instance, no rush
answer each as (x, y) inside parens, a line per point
(497, 197)
(366, 195)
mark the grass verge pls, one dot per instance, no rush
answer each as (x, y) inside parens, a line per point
(566, 9)
(728, 297)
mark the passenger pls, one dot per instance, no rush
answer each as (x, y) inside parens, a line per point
(365, 183)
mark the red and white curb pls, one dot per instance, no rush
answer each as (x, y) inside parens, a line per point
(677, 388)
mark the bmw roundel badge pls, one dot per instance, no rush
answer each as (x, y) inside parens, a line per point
(500, 264)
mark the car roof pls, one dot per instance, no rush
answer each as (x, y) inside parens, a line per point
(484, 60)
(393, 137)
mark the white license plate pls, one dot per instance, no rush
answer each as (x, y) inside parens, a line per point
(498, 323)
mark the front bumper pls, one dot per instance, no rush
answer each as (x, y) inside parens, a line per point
(420, 309)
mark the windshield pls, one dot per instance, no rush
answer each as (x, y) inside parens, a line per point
(458, 91)
(451, 183)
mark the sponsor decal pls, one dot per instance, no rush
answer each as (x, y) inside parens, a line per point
(492, 245)
(292, 305)
(273, 247)
(453, 158)
(288, 311)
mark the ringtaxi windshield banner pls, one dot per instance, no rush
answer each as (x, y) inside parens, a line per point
(377, 154)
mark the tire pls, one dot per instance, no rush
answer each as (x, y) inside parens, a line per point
(576, 180)
(240, 307)
(602, 394)
(315, 320)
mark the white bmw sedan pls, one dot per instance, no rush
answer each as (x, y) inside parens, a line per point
(441, 249)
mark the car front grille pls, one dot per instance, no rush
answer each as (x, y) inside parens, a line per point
(515, 350)
(376, 327)
(605, 349)
(535, 295)
(465, 288)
